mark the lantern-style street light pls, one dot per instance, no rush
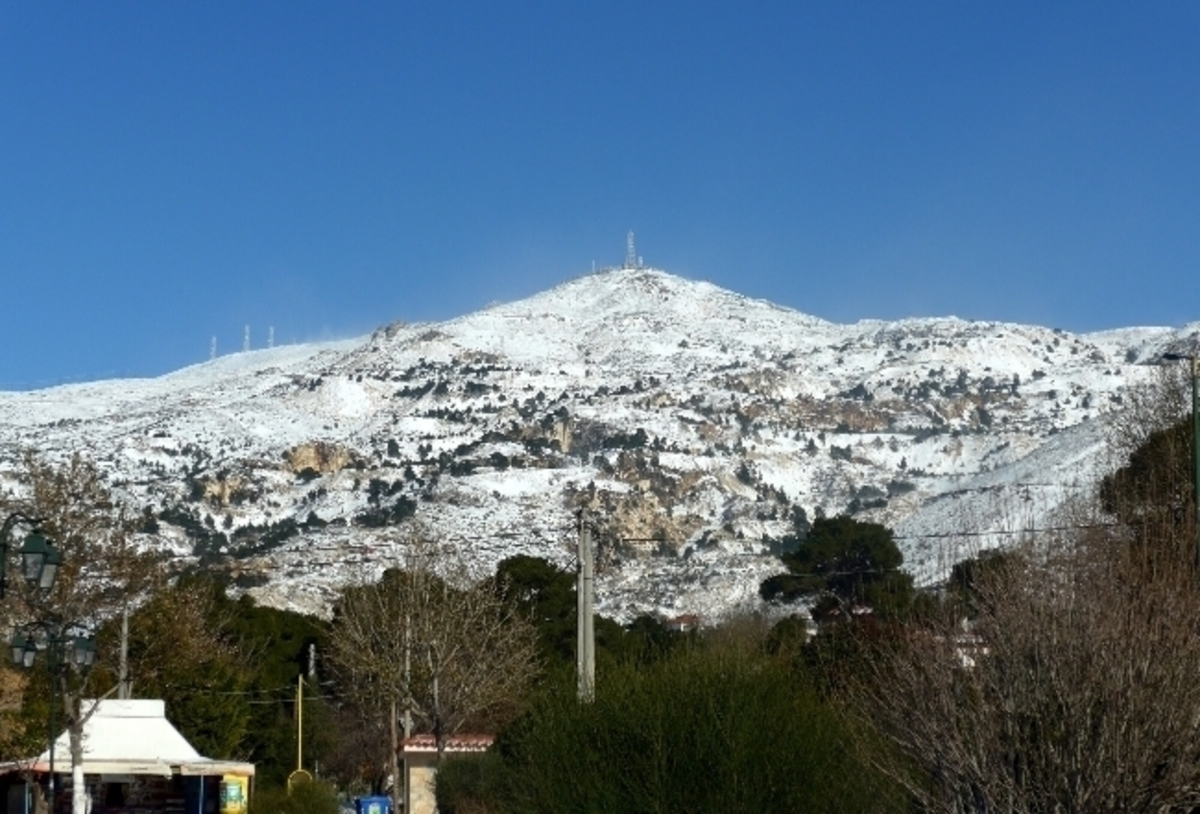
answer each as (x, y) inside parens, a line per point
(39, 559)
(64, 647)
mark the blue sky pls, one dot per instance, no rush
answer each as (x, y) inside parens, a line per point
(172, 171)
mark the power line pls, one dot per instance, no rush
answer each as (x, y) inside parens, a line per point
(931, 535)
(1029, 530)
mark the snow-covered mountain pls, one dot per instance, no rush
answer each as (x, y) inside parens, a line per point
(686, 418)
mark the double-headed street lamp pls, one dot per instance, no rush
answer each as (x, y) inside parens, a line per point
(40, 562)
(63, 649)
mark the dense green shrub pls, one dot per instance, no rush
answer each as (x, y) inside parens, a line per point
(708, 728)
(315, 797)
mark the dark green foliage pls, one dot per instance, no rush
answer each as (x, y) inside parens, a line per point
(469, 784)
(844, 563)
(787, 636)
(1153, 492)
(380, 516)
(710, 728)
(460, 468)
(967, 576)
(315, 797)
(275, 646)
(622, 440)
(252, 540)
(187, 519)
(148, 523)
(547, 594)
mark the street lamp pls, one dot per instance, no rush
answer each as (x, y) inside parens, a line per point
(63, 649)
(40, 562)
(1194, 358)
(36, 552)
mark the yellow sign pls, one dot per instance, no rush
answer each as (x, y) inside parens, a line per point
(235, 793)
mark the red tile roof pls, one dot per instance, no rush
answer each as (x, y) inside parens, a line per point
(453, 743)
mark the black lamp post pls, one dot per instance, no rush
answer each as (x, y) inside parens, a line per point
(63, 649)
(40, 562)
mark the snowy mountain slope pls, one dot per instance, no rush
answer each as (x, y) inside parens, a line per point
(686, 418)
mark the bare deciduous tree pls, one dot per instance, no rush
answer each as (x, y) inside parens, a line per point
(1075, 690)
(103, 571)
(417, 644)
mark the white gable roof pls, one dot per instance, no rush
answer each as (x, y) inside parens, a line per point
(133, 737)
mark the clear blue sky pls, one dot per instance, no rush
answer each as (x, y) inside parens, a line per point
(174, 171)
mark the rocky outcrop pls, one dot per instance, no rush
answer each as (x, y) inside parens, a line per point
(319, 456)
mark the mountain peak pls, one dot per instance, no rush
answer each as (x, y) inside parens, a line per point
(689, 419)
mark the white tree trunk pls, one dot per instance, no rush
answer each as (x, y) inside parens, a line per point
(80, 802)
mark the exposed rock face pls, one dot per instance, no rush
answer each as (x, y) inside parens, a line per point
(319, 456)
(221, 491)
(687, 419)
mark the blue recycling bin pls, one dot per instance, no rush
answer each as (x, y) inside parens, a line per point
(373, 805)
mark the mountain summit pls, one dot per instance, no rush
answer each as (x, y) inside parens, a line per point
(689, 421)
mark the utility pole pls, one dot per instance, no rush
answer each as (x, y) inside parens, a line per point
(124, 689)
(1194, 359)
(1196, 448)
(585, 586)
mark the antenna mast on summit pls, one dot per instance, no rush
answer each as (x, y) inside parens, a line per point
(631, 258)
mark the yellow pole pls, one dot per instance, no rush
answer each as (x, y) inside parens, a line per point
(299, 722)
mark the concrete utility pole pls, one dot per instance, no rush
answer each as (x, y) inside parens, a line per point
(1196, 447)
(1194, 359)
(585, 586)
(124, 686)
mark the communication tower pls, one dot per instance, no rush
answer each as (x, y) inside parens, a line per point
(631, 258)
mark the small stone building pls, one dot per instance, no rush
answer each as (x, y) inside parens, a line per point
(420, 756)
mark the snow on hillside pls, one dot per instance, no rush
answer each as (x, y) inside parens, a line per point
(685, 418)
